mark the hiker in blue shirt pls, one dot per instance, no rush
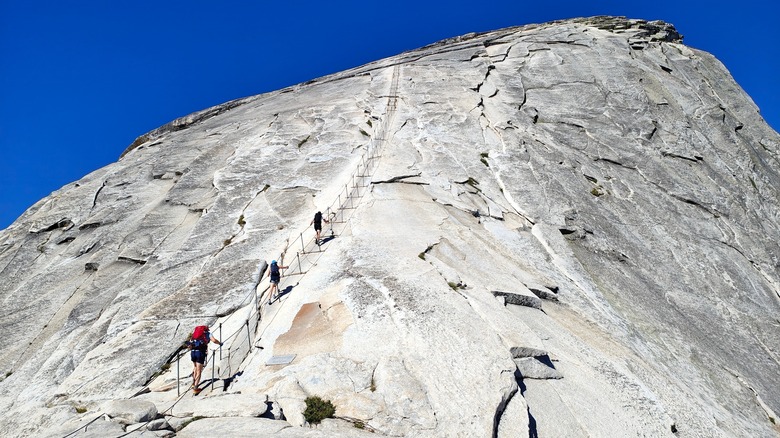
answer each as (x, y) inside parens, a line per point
(273, 292)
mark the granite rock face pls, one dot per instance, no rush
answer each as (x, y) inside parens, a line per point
(565, 229)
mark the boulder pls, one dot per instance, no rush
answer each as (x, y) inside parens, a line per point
(519, 299)
(534, 368)
(221, 405)
(238, 427)
(130, 411)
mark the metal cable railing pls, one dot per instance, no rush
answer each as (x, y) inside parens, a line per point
(240, 341)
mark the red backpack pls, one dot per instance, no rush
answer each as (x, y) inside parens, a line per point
(200, 336)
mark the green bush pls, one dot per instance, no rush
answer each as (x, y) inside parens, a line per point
(318, 409)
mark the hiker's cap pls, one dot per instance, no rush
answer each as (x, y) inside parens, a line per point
(273, 262)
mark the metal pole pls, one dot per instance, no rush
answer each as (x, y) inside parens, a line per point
(178, 378)
(220, 340)
(331, 218)
(248, 336)
(230, 367)
(213, 356)
(298, 256)
(303, 248)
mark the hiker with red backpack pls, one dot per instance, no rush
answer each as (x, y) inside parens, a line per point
(199, 344)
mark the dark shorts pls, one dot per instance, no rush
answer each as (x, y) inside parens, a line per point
(198, 356)
(318, 226)
(275, 279)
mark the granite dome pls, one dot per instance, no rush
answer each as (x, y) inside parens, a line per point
(564, 229)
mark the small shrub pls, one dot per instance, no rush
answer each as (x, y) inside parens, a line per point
(318, 409)
(364, 132)
(373, 385)
(483, 158)
(422, 254)
(359, 424)
(227, 242)
(80, 409)
(597, 191)
(456, 286)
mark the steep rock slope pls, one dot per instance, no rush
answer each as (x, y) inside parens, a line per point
(565, 229)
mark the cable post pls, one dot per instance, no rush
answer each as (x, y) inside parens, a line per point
(248, 336)
(220, 340)
(178, 377)
(213, 356)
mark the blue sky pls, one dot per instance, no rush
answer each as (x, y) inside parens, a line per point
(80, 80)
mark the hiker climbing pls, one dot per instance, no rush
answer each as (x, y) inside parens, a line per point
(317, 221)
(273, 292)
(199, 344)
